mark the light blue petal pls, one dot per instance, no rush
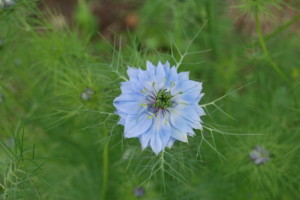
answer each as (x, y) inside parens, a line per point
(187, 86)
(149, 85)
(127, 88)
(171, 77)
(155, 143)
(191, 134)
(145, 138)
(199, 109)
(131, 87)
(122, 117)
(160, 77)
(196, 125)
(182, 86)
(132, 73)
(130, 97)
(190, 115)
(167, 67)
(130, 103)
(136, 125)
(143, 76)
(164, 129)
(183, 76)
(129, 107)
(179, 122)
(160, 72)
(122, 121)
(167, 64)
(170, 143)
(150, 69)
(186, 92)
(179, 135)
(187, 112)
(199, 97)
(161, 134)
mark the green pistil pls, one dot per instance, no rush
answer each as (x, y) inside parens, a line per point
(163, 99)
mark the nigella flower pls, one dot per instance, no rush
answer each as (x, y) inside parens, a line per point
(259, 155)
(6, 3)
(159, 105)
(139, 192)
(86, 94)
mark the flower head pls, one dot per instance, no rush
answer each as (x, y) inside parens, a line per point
(86, 94)
(139, 192)
(6, 3)
(159, 105)
(259, 155)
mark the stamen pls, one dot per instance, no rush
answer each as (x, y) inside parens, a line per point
(162, 100)
(177, 94)
(183, 103)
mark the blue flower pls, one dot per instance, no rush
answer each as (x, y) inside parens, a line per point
(259, 155)
(159, 105)
(6, 3)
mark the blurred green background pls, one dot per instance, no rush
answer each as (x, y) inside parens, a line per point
(61, 64)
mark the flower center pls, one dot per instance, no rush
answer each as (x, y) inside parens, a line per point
(163, 100)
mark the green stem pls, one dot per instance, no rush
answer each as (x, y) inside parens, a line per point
(283, 27)
(177, 24)
(162, 158)
(265, 50)
(105, 167)
(213, 37)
